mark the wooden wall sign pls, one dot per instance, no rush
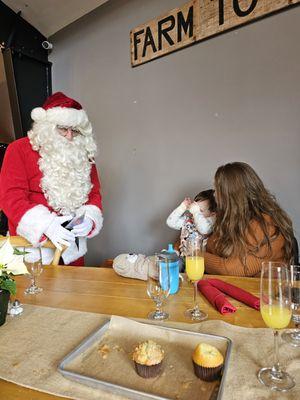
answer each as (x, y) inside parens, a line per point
(195, 21)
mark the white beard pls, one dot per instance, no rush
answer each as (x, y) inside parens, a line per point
(66, 167)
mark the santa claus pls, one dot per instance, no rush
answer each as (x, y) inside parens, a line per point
(50, 177)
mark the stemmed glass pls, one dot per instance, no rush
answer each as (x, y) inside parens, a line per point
(293, 336)
(275, 308)
(158, 285)
(194, 264)
(33, 260)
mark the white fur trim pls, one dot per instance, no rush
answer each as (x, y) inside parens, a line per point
(72, 253)
(61, 116)
(67, 117)
(38, 114)
(34, 223)
(95, 214)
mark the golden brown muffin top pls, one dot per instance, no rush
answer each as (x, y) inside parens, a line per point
(207, 356)
(148, 353)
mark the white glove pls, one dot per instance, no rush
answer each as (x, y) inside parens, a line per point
(84, 228)
(58, 234)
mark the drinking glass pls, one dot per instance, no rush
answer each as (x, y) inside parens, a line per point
(275, 308)
(293, 336)
(194, 264)
(158, 285)
(33, 260)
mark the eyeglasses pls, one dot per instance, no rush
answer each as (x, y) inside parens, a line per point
(63, 130)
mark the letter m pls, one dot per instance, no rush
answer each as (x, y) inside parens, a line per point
(185, 24)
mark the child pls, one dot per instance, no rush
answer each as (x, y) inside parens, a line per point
(197, 216)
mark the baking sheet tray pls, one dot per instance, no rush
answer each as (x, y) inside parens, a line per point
(66, 367)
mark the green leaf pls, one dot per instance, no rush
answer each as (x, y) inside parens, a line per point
(18, 252)
(9, 285)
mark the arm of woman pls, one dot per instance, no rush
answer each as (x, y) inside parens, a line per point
(177, 244)
(232, 266)
(252, 266)
(252, 263)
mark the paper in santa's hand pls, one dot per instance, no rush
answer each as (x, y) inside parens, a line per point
(75, 221)
(71, 224)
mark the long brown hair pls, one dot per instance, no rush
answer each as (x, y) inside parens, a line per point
(241, 198)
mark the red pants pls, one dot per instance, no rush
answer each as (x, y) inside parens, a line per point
(76, 263)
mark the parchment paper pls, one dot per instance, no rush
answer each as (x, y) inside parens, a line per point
(110, 360)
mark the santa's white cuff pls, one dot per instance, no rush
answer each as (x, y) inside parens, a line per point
(34, 223)
(95, 214)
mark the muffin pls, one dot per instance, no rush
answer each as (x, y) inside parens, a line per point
(208, 362)
(148, 357)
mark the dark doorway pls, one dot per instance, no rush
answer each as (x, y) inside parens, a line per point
(3, 219)
(29, 84)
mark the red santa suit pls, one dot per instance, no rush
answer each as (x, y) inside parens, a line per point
(22, 196)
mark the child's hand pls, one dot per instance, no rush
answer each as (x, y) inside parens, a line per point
(187, 202)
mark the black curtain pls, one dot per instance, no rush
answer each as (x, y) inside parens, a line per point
(29, 84)
(3, 219)
(28, 72)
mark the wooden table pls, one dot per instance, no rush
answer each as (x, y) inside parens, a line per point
(100, 290)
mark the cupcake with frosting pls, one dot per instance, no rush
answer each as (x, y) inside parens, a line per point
(208, 362)
(148, 357)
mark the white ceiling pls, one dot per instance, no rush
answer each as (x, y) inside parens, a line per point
(49, 16)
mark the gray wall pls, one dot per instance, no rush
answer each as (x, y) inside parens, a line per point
(164, 127)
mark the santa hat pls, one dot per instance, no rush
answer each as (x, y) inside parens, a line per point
(61, 110)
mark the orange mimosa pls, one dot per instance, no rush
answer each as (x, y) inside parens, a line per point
(275, 308)
(276, 317)
(194, 267)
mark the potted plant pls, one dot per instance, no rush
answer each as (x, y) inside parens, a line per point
(11, 263)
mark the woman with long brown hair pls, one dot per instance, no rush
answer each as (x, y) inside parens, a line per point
(250, 225)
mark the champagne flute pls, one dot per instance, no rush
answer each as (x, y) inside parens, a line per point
(194, 264)
(275, 308)
(33, 260)
(293, 336)
(158, 285)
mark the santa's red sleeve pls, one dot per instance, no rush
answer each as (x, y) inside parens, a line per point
(29, 219)
(93, 207)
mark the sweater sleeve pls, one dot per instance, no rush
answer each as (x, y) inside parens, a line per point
(93, 207)
(30, 218)
(203, 224)
(176, 219)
